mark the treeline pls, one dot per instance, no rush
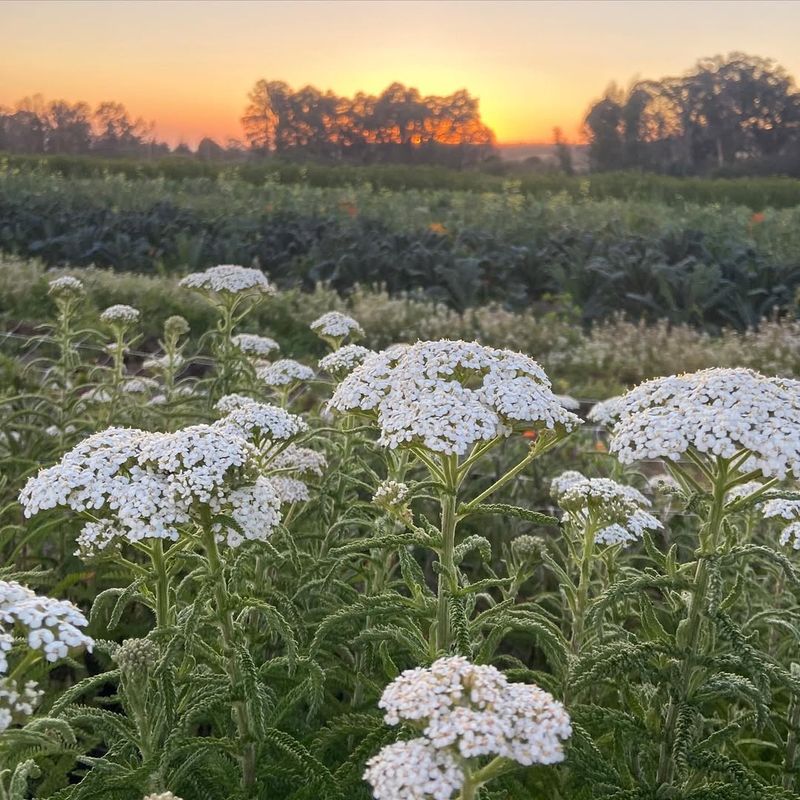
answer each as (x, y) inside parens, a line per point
(399, 125)
(734, 115)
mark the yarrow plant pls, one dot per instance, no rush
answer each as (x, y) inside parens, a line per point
(334, 327)
(717, 429)
(598, 511)
(448, 403)
(466, 714)
(254, 345)
(234, 291)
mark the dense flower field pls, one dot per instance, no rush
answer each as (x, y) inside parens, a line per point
(411, 569)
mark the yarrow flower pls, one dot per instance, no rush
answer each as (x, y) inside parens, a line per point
(139, 385)
(284, 372)
(785, 510)
(390, 493)
(717, 413)
(137, 484)
(256, 421)
(65, 287)
(52, 626)
(615, 509)
(335, 325)
(606, 412)
(17, 702)
(253, 345)
(449, 395)
(344, 360)
(229, 279)
(120, 315)
(475, 711)
(300, 460)
(414, 770)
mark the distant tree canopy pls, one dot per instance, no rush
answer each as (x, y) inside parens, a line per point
(58, 127)
(734, 114)
(397, 125)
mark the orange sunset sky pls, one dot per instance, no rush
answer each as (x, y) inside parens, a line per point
(188, 65)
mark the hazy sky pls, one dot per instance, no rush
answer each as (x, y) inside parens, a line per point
(188, 65)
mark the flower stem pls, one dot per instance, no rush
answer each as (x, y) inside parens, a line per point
(226, 626)
(709, 536)
(163, 615)
(582, 597)
(447, 574)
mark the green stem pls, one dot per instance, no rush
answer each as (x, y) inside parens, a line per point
(542, 445)
(584, 580)
(709, 536)
(163, 615)
(447, 573)
(226, 626)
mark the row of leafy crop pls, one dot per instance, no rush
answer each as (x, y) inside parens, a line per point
(593, 363)
(718, 269)
(754, 193)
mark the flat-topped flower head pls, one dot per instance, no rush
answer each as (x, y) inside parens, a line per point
(139, 385)
(414, 770)
(229, 279)
(285, 372)
(162, 796)
(344, 360)
(50, 625)
(617, 511)
(299, 460)
(65, 288)
(120, 315)
(258, 422)
(606, 412)
(336, 326)
(449, 395)
(254, 345)
(788, 510)
(138, 485)
(716, 413)
(477, 712)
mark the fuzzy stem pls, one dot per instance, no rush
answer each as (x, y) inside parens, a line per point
(163, 615)
(447, 575)
(708, 543)
(226, 626)
(584, 580)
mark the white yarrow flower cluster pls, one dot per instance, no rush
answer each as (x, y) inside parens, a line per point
(17, 702)
(254, 345)
(569, 402)
(229, 279)
(414, 770)
(52, 626)
(606, 412)
(65, 286)
(300, 460)
(716, 412)
(335, 325)
(284, 372)
(344, 360)
(449, 395)
(136, 484)
(616, 509)
(120, 315)
(475, 711)
(162, 796)
(786, 510)
(256, 421)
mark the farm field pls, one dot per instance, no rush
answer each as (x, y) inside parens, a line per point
(445, 492)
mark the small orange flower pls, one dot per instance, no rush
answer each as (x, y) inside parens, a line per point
(600, 447)
(532, 435)
(757, 218)
(437, 227)
(351, 209)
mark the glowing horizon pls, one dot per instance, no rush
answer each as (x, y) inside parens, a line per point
(187, 67)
